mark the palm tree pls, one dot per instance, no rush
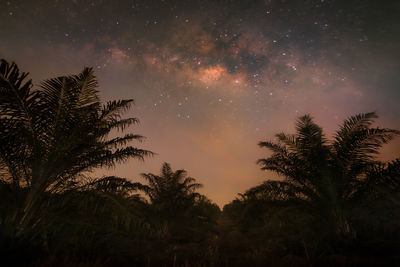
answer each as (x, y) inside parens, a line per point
(52, 134)
(172, 195)
(321, 177)
(183, 221)
(171, 189)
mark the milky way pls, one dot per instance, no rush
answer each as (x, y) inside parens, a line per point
(213, 78)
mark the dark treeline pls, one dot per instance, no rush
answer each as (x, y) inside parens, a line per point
(336, 204)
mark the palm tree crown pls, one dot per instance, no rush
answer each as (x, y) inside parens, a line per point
(171, 187)
(322, 176)
(51, 134)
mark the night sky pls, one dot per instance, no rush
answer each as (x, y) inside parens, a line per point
(213, 78)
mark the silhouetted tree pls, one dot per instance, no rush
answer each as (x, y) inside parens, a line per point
(50, 135)
(183, 220)
(172, 189)
(323, 177)
(336, 202)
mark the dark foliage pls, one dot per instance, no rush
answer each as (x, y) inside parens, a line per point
(335, 205)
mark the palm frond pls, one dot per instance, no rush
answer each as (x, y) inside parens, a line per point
(113, 109)
(122, 141)
(355, 123)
